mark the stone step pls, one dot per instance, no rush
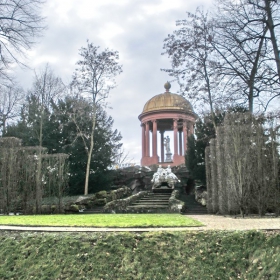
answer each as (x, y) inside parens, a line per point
(147, 210)
(147, 206)
(153, 202)
(150, 202)
(165, 200)
(159, 194)
(163, 190)
(193, 207)
(156, 197)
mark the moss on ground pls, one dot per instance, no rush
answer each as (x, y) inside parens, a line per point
(154, 255)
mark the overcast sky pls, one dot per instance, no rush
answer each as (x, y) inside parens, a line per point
(135, 28)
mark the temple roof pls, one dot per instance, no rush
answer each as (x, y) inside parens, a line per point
(167, 101)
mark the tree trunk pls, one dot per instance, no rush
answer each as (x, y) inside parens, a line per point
(4, 125)
(39, 168)
(254, 73)
(270, 25)
(209, 96)
(90, 149)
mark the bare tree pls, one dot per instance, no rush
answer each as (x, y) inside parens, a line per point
(272, 23)
(194, 59)
(228, 56)
(121, 157)
(270, 11)
(11, 98)
(94, 79)
(46, 89)
(18, 164)
(20, 26)
(247, 164)
(243, 42)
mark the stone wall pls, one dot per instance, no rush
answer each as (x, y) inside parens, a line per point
(176, 205)
(98, 199)
(201, 195)
(120, 205)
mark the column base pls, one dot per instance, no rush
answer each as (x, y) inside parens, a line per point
(149, 160)
(178, 160)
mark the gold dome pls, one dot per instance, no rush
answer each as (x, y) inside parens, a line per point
(167, 101)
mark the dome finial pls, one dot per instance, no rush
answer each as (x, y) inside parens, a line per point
(167, 86)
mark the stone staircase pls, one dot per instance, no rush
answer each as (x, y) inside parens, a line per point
(157, 202)
(151, 203)
(193, 207)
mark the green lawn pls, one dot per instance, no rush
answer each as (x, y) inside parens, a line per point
(102, 220)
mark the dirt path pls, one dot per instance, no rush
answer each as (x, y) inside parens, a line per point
(211, 222)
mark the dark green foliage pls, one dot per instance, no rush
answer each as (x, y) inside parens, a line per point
(27, 128)
(195, 160)
(162, 255)
(195, 156)
(60, 135)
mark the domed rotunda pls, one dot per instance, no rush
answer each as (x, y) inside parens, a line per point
(166, 112)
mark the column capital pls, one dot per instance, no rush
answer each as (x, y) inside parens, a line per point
(175, 124)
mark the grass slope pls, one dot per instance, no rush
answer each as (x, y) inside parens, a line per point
(103, 220)
(158, 256)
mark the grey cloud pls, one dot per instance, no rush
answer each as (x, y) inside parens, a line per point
(140, 48)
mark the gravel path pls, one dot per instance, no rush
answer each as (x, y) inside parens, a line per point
(211, 222)
(214, 222)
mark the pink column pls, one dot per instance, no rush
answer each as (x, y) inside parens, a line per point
(143, 139)
(191, 128)
(161, 146)
(175, 130)
(154, 138)
(147, 141)
(185, 135)
(180, 143)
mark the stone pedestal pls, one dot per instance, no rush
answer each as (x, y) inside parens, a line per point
(168, 157)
